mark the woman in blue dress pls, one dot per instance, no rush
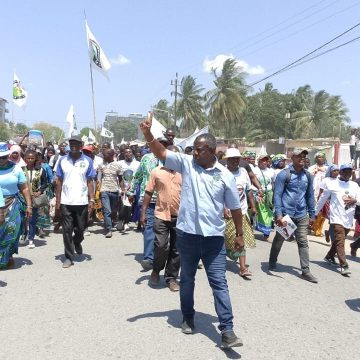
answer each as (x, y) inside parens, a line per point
(13, 209)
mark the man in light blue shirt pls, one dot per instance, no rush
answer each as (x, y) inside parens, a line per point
(207, 187)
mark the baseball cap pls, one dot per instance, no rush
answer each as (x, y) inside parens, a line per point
(76, 138)
(298, 151)
(163, 139)
(346, 167)
(263, 156)
(89, 148)
(4, 149)
(231, 153)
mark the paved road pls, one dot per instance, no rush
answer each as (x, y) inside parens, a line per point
(103, 308)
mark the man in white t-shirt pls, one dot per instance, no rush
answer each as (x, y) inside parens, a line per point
(74, 195)
(344, 196)
(129, 166)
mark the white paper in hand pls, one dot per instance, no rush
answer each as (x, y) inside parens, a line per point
(288, 230)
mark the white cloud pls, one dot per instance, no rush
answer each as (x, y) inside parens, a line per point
(120, 60)
(218, 61)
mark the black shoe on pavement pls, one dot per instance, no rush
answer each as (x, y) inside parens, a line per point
(308, 276)
(120, 225)
(331, 260)
(187, 326)
(146, 264)
(108, 234)
(154, 279)
(272, 266)
(79, 249)
(229, 340)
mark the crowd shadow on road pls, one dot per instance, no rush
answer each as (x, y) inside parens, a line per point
(204, 324)
(280, 268)
(77, 258)
(2, 284)
(20, 262)
(353, 304)
(325, 265)
(137, 256)
(39, 243)
(353, 258)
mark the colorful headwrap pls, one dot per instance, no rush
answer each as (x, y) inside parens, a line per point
(248, 154)
(320, 153)
(330, 169)
(277, 159)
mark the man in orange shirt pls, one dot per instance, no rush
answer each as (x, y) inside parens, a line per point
(167, 184)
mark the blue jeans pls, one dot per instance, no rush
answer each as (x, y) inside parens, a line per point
(32, 224)
(109, 201)
(211, 250)
(149, 235)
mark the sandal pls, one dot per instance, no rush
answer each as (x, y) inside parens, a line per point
(245, 272)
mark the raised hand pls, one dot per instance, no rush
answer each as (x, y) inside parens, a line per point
(145, 125)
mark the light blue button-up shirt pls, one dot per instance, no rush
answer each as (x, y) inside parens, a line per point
(203, 195)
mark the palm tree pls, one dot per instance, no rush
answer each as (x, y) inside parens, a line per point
(191, 104)
(227, 101)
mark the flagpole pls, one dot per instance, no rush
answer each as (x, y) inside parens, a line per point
(92, 85)
(93, 96)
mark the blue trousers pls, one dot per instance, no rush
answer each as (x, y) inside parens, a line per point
(149, 235)
(211, 250)
(109, 201)
(32, 224)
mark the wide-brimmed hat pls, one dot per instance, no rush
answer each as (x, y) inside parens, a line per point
(231, 153)
(4, 149)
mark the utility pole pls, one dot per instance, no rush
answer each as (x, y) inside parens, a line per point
(175, 84)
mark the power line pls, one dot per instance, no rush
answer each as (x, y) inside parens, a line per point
(324, 52)
(288, 26)
(302, 29)
(305, 56)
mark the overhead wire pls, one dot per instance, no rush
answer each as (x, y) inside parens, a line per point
(306, 55)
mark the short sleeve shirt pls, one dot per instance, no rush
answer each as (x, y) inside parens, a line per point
(243, 185)
(10, 179)
(204, 194)
(108, 174)
(74, 176)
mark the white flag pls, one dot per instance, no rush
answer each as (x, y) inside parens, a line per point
(97, 57)
(106, 133)
(190, 140)
(112, 144)
(91, 136)
(157, 129)
(122, 141)
(70, 118)
(19, 93)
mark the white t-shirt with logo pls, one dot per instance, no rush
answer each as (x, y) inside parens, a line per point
(243, 185)
(74, 176)
(338, 190)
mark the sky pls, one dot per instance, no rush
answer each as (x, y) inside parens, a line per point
(149, 41)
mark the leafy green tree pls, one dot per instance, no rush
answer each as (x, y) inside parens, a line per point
(4, 131)
(162, 112)
(227, 101)
(85, 132)
(51, 133)
(123, 129)
(191, 104)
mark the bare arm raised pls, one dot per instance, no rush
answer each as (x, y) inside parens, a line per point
(158, 150)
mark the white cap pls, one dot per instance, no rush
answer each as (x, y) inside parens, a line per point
(232, 152)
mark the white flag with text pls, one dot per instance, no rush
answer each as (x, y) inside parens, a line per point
(97, 56)
(19, 93)
(70, 118)
(106, 133)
